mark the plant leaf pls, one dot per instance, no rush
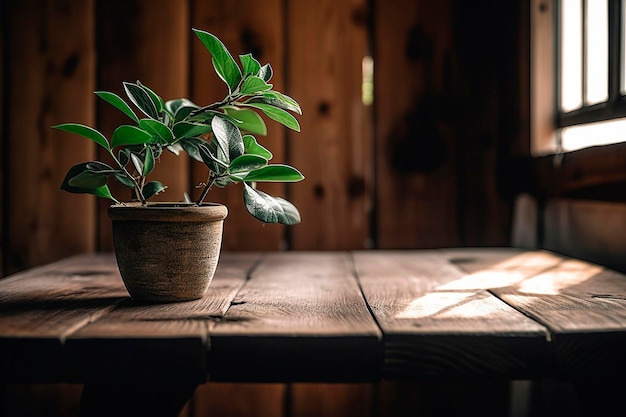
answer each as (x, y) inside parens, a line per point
(137, 162)
(124, 180)
(183, 112)
(148, 161)
(269, 209)
(117, 102)
(192, 147)
(153, 188)
(250, 65)
(142, 100)
(275, 173)
(253, 84)
(188, 129)
(100, 191)
(130, 135)
(247, 163)
(101, 167)
(156, 99)
(157, 129)
(175, 105)
(251, 146)
(228, 137)
(85, 131)
(266, 72)
(249, 120)
(279, 115)
(223, 61)
(211, 160)
(277, 99)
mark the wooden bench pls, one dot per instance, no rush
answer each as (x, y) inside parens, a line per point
(484, 314)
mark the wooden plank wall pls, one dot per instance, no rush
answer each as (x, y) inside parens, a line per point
(415, 169)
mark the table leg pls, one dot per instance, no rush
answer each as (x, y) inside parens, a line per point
(134, 399)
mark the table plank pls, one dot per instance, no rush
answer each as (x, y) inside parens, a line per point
(439, 322)
(300, 317)
(584, 306)
(157, 342)
(39, 308)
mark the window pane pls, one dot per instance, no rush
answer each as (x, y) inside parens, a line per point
(571, 55)
(591, 134)
(597, 47)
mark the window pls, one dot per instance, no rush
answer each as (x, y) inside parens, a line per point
(579, 74)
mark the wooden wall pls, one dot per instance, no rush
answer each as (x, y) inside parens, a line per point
(418, 168)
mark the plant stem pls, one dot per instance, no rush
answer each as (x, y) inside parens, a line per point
(207, 187)
(138, 189)
(228, 100)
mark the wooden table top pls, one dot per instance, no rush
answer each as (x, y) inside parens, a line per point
(494, 313)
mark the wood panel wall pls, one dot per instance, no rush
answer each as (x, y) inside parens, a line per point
(415, 169)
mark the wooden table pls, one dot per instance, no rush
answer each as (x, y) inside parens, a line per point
(450, 314)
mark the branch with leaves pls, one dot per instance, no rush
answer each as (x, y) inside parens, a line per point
(219, 135)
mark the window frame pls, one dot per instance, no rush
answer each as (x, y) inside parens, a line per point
(597, 172)
(615, 106)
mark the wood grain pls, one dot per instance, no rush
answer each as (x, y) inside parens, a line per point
(303, 316)
(334, 148)
(437, 324)
(133, 337)
(414, 209)
(52, 69)
(41, 308)
(584, 306)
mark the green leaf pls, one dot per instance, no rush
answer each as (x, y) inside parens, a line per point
(188, 129)
(192, 147)
(277, 99)
(85, 131)
(101, 167)
(250, 65)
(137, 162)
(142, 100)
(123, 156)
(117, 102)
(124, 180)
(156, 99)
(247, 163)
(275, 173)
(279, 115)
(249, 120)
(153, 188)
(269, 209)
(130, 135)
(228, 137)
(251, 146)
(183, 112)
(99, 191)
(223, 61)
(211, 160)
(148, 161)
(266, 72)
(253, 85)
(173, 106)
(89, 180)
(157, 129)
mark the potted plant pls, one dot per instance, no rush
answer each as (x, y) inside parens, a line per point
(169, 251)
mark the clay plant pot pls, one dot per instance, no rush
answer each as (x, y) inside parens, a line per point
(167, 251)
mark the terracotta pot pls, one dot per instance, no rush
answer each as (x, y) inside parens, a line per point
(167, 251)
